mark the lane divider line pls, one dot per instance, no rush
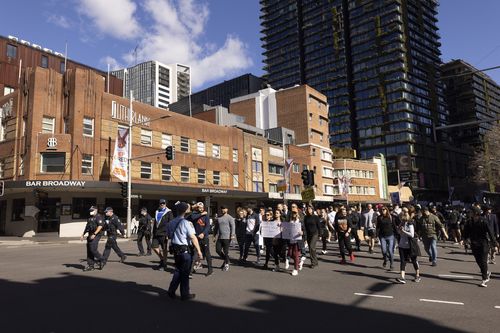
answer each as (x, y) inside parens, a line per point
(497, 306)
(438, 301)
(373, 295)
(464, 277)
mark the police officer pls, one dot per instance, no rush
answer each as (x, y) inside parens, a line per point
(93, 229)
(144, 231)
(163, 216)
(182, 234)
(112, 225)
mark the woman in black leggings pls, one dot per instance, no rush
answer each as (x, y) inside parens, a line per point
(407, 232)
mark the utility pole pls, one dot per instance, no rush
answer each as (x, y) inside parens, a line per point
(129, 171)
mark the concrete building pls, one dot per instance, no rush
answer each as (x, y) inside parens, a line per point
(155, 83)
(17, 54)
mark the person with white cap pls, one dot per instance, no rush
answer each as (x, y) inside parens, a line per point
(94, 230)
(201, 223)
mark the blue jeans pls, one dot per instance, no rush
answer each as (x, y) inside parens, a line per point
(430, 247)
(181, 274)
(387, 246)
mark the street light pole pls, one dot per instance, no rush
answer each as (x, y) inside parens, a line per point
(129, 167)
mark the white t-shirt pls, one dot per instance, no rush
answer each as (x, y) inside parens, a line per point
(331, 217)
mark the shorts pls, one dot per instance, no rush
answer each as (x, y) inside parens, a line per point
(158, 241)
(371, 233)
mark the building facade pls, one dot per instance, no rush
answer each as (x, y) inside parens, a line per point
(155, 83)
(17, 54)
(378, 63)
(219, 94)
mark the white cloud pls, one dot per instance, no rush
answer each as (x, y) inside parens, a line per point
(112, 17)
(171, 32)
(59, 20)
(112, 62)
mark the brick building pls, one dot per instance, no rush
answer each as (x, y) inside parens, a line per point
(58, 145)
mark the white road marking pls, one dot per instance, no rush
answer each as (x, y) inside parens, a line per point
(497, 306)
(438, 301)
(462, 277)
(373, 295)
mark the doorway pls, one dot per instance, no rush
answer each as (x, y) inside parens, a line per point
(3, 216)
(49, 215)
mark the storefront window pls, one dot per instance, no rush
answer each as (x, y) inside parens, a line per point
(80, 208)
(18, 210)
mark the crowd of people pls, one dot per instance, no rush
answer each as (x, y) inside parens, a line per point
(185, 232)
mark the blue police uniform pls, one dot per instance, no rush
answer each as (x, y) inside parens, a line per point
(180, 232)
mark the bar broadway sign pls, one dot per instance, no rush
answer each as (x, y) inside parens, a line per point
(55, 183)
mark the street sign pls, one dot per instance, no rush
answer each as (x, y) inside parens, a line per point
(395, 198)
(308, 194)
(281, 185)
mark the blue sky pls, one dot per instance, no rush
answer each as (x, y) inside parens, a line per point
(220, 39)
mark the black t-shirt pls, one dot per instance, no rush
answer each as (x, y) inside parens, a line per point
(385, 226)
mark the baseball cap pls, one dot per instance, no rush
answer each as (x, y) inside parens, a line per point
(163, 201)
(108, 209)
(200, 204)
(144, 209)
(92, 208)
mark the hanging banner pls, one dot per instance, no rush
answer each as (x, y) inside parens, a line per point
(119, 165)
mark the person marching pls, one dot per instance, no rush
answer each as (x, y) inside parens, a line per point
(385, 231)
(312, 228)
(241, 226)
(368, 225)
(294, 248)
(252, 226)
(427, 228)
(492, 221)
(224, 230)
(407, 252)
(344, 228)
(201, 223)
(93, 229)
(182, 235)
(163, 216)
(113, 224)
(477, 231)
(144, 231)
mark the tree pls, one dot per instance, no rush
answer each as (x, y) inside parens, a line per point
(485, 164)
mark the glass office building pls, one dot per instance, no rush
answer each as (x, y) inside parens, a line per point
(378, 62)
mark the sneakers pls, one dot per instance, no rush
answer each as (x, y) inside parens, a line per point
(303, 258)
(88, 268)
(100, 265)
(488, 278)
(417, 279)
(276, 269)
(324, 252)
(384, 264)
(287, 263)
(401, 280)
(225, 268)
(483, 284)
(351, 257)
(301, 264)
(123, 258)
(434, 264)
(295, 272)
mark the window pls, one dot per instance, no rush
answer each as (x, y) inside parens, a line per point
(45, 62)
(200, 147)
(216, 151)
(184, 144)
(304, 167)
(327, 172)
(7, 90)
(202, 176)
(185, 174)
(146, 137)
(18, 209)
(53, 162)
(256, 166)
(236, 182)
(296, 168)
(88, 127)
(11, 51)
(166, 140)
(2, 166)
(166, 172)
(62, 67)
(258, 187)
(328, 189)
(216, 180)
(235, 155)
(327, 156)
(48, 124)
(21, 166)
(87, 164)
(3, 129)
(296, 189)
(276, 169)
(273, 188)
(80, 207)
(145, 170)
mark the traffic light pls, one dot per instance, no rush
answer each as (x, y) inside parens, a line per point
(305, 177)
(310, 178)
(124, 189)
(170, 152)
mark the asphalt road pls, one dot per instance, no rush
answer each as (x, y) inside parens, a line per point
(43, 289)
